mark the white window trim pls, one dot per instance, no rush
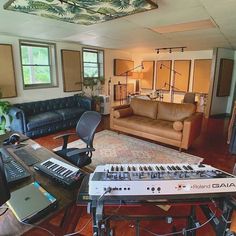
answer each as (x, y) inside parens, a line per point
(52, 63)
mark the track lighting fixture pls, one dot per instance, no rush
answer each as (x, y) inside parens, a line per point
(171, 49)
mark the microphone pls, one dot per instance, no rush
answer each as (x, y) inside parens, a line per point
(161, 66)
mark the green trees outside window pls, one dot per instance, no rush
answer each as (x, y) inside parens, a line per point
(38, 64)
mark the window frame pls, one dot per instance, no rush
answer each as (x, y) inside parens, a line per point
(52, 64)
(97, 51)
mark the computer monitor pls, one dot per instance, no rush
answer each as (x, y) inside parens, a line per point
(4, 190)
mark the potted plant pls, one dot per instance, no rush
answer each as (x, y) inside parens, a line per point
(4, 118)
(94, 84)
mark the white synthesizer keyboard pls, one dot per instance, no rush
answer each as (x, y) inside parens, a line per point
(159, 180)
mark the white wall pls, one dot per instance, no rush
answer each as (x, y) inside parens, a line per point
(222, 105)
(219, 104)
(42, 94)
(37, 94)
(188, 55)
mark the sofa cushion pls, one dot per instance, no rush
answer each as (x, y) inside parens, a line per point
(144, 124)
(144, 107)
(123, 112)
(42, 119)
(178, 125)
(71, 113)
(175, 111)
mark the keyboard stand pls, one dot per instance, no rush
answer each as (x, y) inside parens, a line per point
(101, 219)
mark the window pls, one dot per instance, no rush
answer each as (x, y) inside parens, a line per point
(38, 61)
(93, 66)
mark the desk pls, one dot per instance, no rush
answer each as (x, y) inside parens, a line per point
(66, 197)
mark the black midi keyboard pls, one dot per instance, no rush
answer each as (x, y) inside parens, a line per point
(59, 171)
(14, 171)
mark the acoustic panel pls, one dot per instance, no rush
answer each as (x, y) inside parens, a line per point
(7, 72)
(225, 77)
(201, 75)
(148, 75)
(163, 74)
(123, 67)
(80, 11)
(181, 75)
(71, 67)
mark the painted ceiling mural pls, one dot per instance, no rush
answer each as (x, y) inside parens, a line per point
(84, 12)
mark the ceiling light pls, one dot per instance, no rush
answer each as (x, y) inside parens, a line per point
(170, 49)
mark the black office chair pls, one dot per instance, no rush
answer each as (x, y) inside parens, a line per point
(85, 129)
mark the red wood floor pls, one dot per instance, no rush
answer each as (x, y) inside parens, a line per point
(211, 145)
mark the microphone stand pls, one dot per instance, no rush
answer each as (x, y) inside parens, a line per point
(126, 77)
(172, 86)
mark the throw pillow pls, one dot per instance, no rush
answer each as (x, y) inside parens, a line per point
(178, 125)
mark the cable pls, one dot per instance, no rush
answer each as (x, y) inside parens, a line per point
(108, 190)
(113, 212)
(39, 227)
(182, 231)
(4, 211)
(80, 229)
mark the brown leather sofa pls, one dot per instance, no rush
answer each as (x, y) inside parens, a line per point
(170, 123)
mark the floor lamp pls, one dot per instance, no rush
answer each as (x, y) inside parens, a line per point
(172, 86)
(126, 76)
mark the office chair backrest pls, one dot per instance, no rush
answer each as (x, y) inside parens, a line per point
(87, 125)
(189, 98)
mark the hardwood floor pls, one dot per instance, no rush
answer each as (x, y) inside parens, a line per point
(211, 145)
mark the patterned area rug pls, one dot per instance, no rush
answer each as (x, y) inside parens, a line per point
(112, 147)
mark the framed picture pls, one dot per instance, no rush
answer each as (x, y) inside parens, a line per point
(181, 75)
(225, 77)
(163, 74)
(201, 75)
(71, 68)
(7, 72)
(122, 66)
(148, 74)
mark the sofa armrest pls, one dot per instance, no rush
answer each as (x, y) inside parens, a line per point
(115, 108)
(192, 129)
(18, 120)
(86, 103)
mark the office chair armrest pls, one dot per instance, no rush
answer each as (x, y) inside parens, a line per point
(78, 151)
(65, 138)
(64, 135)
